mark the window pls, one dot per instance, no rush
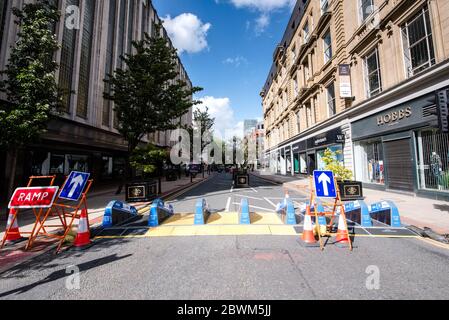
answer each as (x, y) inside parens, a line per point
(109, 59)
(130, 25)
(306, 33)
(365, 9)
(306, 71)
(369, 162)
(309, 115)
(293, 54)
(298, 121)
(3, 6)
(285, 99)
(85, 60)
(121, 32)
(327, 40)
(330, 90)
(418, 43)
(324, 6)
(67, 61)
(295, 86)
(372, 69)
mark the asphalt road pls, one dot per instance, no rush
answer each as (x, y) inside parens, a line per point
(234, 267)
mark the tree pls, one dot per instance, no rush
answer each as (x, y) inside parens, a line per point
(150, 159)
(146, 93)
(30, 83)
(202, 126)
(332, 164)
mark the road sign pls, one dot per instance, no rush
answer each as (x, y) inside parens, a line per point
(35, 197)
(74, 186)
(324, 184)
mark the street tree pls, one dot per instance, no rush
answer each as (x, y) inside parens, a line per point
(29, 81)
(202, 129)
(147, 93)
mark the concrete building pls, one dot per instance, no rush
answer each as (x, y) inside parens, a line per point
(84, 136)
(361, 77)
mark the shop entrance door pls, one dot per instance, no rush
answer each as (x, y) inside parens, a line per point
(311, 163)
(399, 165)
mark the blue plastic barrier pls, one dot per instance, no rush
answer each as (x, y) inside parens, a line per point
(386, 212)
(158, 213)
(244, 212)
(117, 212)
(202, 213)
(358, 212)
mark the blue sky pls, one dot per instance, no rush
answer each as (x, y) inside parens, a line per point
(227, 47)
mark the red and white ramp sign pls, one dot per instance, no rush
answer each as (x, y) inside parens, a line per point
(33, 197)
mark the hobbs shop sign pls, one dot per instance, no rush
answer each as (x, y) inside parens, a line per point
(394, 116)
(402, 117)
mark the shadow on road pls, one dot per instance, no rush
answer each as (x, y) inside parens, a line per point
(63, 273)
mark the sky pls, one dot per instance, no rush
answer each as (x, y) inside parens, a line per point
(227, 49)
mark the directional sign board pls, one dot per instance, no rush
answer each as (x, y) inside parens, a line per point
(74, 186)
(324, 184)
(35, 197)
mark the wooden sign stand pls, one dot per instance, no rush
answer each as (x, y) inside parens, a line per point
(336, 203)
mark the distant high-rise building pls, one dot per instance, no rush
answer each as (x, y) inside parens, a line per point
(249, 125)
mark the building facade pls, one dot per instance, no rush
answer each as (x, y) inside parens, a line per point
(364, 82)
(93, 34)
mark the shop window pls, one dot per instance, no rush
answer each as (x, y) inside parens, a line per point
(433, 160)
(418, 43)
(338, 151)
(370, 162)
(57, 162)
(77, 163)
(302, 163)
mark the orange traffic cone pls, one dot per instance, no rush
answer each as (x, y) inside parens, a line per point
(342, 232)
(14, 232)
(307, 234)
(83, 236)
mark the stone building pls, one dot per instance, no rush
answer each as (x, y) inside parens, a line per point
(361, 77)
(84, 136)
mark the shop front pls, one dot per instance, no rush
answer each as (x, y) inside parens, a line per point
(402, 149)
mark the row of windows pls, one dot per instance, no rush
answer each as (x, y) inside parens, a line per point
(3, 7)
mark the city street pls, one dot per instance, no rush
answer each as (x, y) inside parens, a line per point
(244, 266)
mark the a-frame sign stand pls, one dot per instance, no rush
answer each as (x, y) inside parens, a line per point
(329, 215)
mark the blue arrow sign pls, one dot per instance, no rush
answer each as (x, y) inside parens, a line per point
(324, 184)
(74, 186)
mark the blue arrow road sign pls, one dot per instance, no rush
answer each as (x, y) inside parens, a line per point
(74, 186)
(324, 184)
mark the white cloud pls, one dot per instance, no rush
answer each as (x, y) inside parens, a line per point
(187, 32)
(221, 110)
(236, 61)
(264, 7)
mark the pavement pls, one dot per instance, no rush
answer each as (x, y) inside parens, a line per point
(97, 201)
(243, 266)
(414, 211)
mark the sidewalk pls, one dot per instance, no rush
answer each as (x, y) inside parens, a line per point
(420, 212)
(98, 200)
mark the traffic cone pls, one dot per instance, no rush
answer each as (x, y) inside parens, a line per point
(83, 236)
(342, 232)
(307, 234)
(14, 232)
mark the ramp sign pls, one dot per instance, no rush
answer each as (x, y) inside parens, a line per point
(74, 186)
(324, 184)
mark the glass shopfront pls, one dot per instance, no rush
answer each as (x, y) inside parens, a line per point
(370, 162)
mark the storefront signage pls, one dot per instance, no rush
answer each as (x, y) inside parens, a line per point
(395, 119)
(327, 138)
(394, 116)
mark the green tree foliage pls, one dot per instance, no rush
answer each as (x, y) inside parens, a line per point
(147, 95)
(332, 164)
(149, 159)
(30, 83)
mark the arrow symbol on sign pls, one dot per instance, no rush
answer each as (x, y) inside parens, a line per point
(76, 182)
(324, 180)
